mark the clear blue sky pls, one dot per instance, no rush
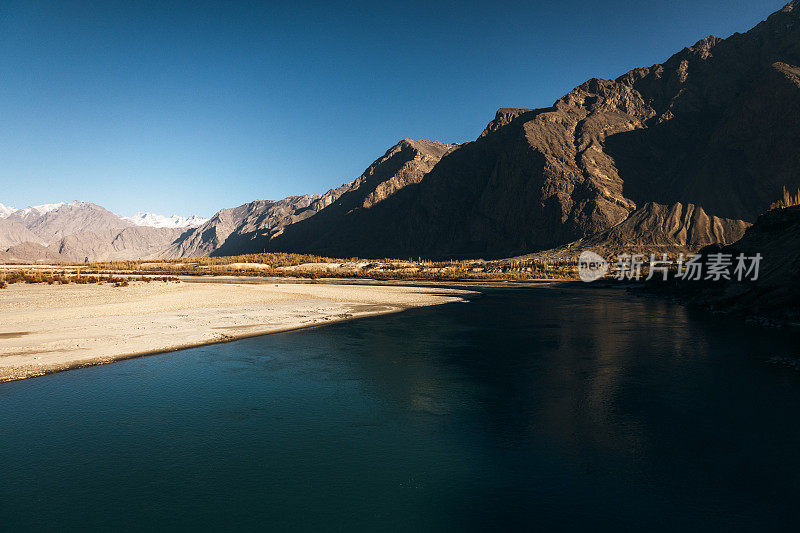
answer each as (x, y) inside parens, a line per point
(191, 107)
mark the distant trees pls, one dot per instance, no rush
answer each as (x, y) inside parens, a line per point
(788, 200)
(63, 278)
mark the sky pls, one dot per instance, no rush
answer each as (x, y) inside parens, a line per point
(190, 107)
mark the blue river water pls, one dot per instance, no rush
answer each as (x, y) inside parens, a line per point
(524, 409)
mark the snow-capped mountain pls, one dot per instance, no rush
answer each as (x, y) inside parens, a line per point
(33, 213)
(6, 210)
(77, 231)
(45, 208)
(160, 221)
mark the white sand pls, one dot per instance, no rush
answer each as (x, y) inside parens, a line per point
(48, 328)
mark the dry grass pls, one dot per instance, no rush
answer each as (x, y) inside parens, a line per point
(314, 267)
(64, 277)
(285, 265)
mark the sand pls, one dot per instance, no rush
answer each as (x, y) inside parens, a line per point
(50, 328)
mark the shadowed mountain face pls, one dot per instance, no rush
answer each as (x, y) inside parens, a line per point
(332, 225)
(265, 218)
(655, 228)
(776, 292)
(253, 216)
(717, 125)
(774, 296)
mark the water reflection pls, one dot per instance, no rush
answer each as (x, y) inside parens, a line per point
(538, 408)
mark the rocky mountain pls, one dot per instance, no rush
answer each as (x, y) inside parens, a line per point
(716, 126)
(772, 298)
(655, 228)
(402, 165)
(160, 221)
(6, 210)
(55, 221)
(76, 231)
(12, 232)
(776, 293)
(672, 156)
(263, 216)
(133, 242)
(29, 252)
(310, 218)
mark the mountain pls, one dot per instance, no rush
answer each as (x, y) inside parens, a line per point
(310, 219)
(776, 293)
(33, 212)
(76, 231)
(28, 252)
(6, 210)
(55, 221)
(134, 242)
(655, 228)
(717, 125)
(668, 157)
(263, 216)
(160, 221)
(404, 164)
(772, 298)
(13, 232)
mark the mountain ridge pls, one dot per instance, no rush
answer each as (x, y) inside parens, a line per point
(715, 126)
(683, 153)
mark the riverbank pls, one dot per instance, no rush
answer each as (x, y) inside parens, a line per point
(50, 328)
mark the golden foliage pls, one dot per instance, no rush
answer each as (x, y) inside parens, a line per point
(788, 200)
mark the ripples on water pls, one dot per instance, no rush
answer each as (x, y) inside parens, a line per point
(526, 408)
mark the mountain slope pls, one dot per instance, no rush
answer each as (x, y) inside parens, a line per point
(772, 298)
(259, 216)
(656, 228)
(28, 252)
(776, 292)
(12, 232)
(403, 165)
(6, 210)
(76, 231)
(53, 222)
(133, 242)
(717, 125)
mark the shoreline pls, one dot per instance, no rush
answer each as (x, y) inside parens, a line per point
(231, 338)
(58, 328)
